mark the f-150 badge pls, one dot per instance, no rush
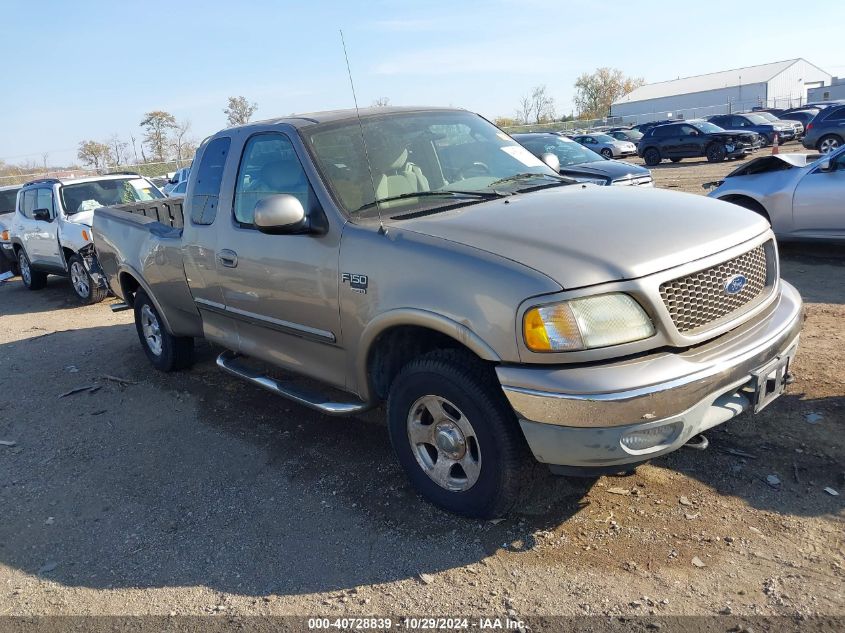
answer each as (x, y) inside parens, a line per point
(357, 283)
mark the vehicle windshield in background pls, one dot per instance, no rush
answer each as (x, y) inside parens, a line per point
(7, 200)
(568, 152)
(85, 196)
(444, 156)
(604, 138)
(757, 119)
(707, 127)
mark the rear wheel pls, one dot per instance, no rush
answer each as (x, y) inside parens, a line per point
(829, 143)
(456, 436)
(165, 351)
(652, 156)
(84, 287)
(716, 153)
(32, 279)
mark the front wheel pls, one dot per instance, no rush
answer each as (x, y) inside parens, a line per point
(716, 153)
(456, 436)
(165, 351)
(84, 287)
(32, 279)
(652, 157)
(607, 153)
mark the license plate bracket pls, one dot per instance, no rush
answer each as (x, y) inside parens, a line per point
(768, 381)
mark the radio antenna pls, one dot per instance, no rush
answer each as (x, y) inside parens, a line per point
(363, 140)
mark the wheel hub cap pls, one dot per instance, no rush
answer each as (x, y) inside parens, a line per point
(444, 443)
(151, 329)
(79, 279)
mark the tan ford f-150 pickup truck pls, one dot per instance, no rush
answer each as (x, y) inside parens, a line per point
(422, 257)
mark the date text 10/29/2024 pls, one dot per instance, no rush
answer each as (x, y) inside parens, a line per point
(420, 623)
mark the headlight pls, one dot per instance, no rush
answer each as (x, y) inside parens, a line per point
(595, 181)
(585, 323)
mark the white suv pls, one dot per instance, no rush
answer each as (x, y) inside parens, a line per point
(51, 229)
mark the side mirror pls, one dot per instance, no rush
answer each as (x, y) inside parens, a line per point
(281, 214)
(551, 160)
(42, 214)
(825, 165)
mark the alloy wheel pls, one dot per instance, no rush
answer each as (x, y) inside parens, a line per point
(151, 329)
(79, 279)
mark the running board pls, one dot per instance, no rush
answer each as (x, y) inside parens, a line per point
(228, 361)
(120, 307)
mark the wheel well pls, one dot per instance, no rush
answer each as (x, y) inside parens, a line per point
(68, 253)
(129, 285)
(748, 203)
(824, 136)
(396, 347)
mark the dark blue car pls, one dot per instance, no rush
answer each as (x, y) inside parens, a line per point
(750, 122)
(826, 132)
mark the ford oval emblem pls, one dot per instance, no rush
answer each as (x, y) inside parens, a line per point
(735, 284)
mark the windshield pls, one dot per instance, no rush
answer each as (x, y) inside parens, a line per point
(568, 152)
(766, 116)
(420, 152)
(758, 119)
(7, 200)
(603, 138)
(707, 127)
(629, 135)
(84, 196)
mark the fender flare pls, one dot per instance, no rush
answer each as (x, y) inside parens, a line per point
(414, 317)
(127, 269)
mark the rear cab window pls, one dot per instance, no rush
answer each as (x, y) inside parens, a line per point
(206, 194)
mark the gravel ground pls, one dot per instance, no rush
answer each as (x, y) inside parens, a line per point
(195, 493)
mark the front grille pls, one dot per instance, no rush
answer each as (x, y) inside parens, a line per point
(700, 299)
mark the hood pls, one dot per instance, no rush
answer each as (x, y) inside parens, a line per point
(565, 232)
(612, 169)
(82, 217)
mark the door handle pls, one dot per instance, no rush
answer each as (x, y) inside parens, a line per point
(227, 258)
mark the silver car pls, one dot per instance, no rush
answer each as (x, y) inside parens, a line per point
(606, 145)
(800, 194)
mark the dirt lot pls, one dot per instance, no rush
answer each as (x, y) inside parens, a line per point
(196, 494)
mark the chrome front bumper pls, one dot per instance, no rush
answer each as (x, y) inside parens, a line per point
(577, 416)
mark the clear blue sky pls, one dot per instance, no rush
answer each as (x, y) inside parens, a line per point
(86, 70)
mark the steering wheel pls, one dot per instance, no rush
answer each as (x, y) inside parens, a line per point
(475, 169)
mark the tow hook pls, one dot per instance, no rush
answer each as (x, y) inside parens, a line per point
(698, 442)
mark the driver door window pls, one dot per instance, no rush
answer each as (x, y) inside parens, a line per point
(44, 200)
(269, 166)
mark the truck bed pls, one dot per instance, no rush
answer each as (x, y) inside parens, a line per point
(168, 211)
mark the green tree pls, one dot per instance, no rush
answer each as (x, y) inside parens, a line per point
(594, 93)
(93, 153)
(157, 125)
(239, 110)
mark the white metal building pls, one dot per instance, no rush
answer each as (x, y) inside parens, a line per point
(779, 84)
(836, 90)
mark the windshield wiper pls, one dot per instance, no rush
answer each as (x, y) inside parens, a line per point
(481, 195)
(526, 176)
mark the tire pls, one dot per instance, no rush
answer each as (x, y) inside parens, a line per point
(652, 156)
(828, 144)
(676, 160)
(474, 420)
(764, 141)
(606, 153)
(32, 279)
(84, 287)
(716, 153)
(165, 351)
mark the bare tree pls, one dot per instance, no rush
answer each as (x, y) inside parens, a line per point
(596, 92)
(381, 102)
(44, 158)
(93, 153)
(134, 148)
(239, 110)
(181, 141)
(157, 124)
(117, 150)
(538, 106)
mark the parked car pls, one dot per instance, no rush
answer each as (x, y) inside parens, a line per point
(179, 177)
(606, 145)
(775, 120)
(802, 116)
(826, 132)
(497, 307)
(754, 122)
(583, 164)
(178, 190)
(801, 195)
(51, 227)
(8, 195)
(630, 136)
(693, 139)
